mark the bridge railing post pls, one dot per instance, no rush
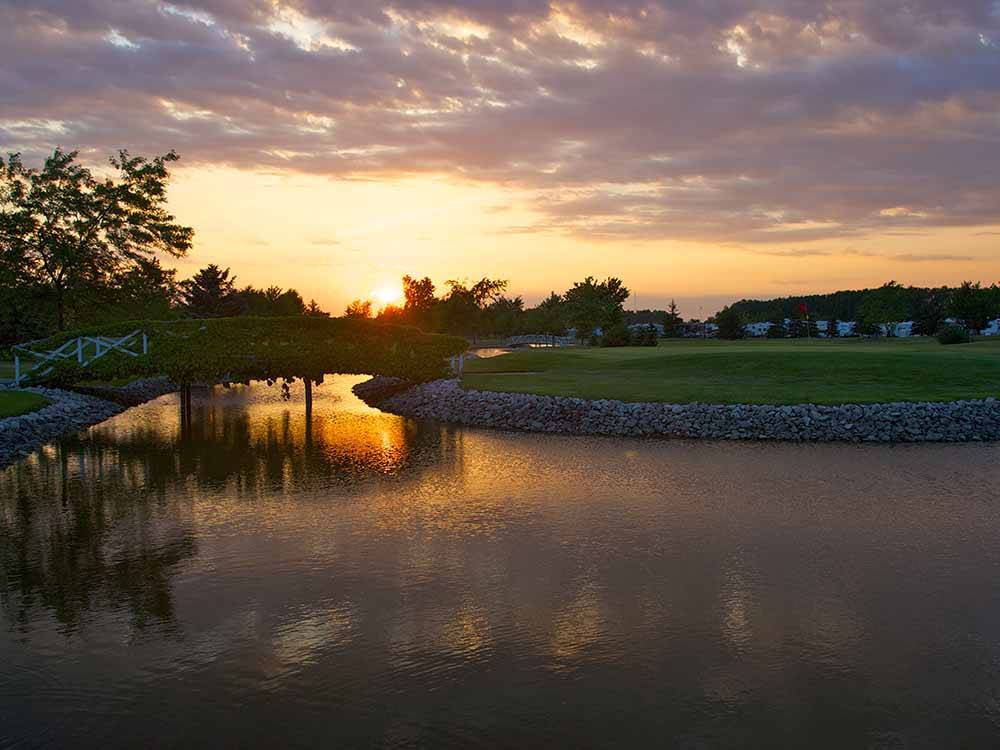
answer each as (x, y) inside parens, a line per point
(79, 349)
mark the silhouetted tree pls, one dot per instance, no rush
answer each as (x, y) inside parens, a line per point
(65, 229)
(210, 293)
(672, 321)
(359, 309)
(420, 300)
(973, 305)
(313, 310)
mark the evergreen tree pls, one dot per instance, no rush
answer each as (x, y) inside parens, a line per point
(672, 322)
(210, 293)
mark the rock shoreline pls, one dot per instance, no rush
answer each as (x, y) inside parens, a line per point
(903, 422)
(69, 412)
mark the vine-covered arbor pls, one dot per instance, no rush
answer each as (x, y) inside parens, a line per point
(244, 349)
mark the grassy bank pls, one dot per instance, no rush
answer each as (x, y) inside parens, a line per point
(752, 372)
(14, 403)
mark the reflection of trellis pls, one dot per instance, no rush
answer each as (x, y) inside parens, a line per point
(84, 349)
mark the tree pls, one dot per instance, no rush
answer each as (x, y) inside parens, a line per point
(930, 313)
(419, 296)
(313, 310)
(392, 314)
(833, 329)
(65, 229)
(462, 310)
(359, 309)
(504, 315)
(730, 323)
(145, 290)
(886, 305)
(973, 305)
(548, 317)
(591, 304)
(210, 293)
(778, 329)
(673, 324)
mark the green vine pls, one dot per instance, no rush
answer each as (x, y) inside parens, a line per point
(239, 350)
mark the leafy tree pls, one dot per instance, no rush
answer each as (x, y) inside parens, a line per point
(673, 324)
(504, 315)
(419, 296)
(462, 310)
(289, 304)
(359, 309)
(65, 229)
(930, 313)
(616, 334)
(391, 314)
(145, 290)
(730, 324)
(885, 305)
(833, 329)
(210, 293)
(973, 305)
(549, 317)
(868, 328)
(591, 304)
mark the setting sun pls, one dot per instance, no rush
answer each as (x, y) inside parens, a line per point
(387, 295)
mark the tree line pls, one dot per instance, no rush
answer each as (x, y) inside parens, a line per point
(483, 309)
(972, 304)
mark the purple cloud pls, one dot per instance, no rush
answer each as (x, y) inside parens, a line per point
(760, 122)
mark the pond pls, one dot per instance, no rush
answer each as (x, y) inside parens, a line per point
(372, 581)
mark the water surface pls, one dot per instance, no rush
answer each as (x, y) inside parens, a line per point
(371, 581)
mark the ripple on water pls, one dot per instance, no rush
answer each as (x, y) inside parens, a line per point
(360, 579)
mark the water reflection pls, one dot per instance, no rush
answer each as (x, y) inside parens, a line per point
(364, 579)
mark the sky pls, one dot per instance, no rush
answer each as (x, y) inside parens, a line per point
(703, 150)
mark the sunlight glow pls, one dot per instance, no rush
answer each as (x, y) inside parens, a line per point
(387, 295)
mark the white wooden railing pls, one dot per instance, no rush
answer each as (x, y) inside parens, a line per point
(84, 349)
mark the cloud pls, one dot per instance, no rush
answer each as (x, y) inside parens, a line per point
(930, 257)
(766, 122)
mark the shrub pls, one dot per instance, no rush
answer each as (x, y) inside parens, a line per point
(615, 335)
(953, 334)
(644, 336)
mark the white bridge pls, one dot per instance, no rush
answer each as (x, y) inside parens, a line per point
(527, 339)
(84, 349)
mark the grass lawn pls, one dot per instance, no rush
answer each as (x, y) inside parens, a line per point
(790, 371)
(13, 403)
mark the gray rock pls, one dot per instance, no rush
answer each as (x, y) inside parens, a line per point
(446, 400)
